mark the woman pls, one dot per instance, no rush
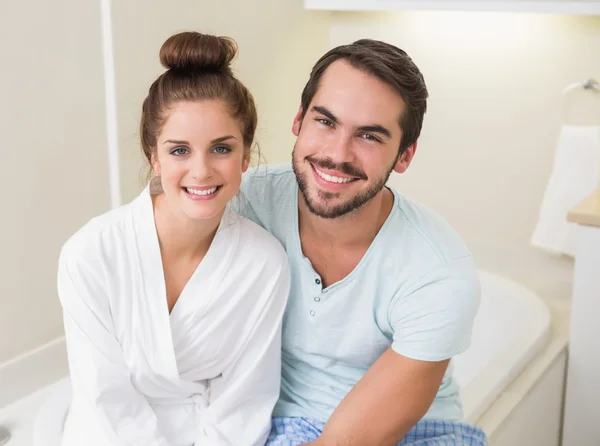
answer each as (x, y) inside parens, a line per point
(173, 303)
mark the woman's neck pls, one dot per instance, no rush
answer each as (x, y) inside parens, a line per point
(180, 237)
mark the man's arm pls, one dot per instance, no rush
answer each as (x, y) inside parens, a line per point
(385, 404)
(431, 323)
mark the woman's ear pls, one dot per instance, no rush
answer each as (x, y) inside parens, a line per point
(155, 164)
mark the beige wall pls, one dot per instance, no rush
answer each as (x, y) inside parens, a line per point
(54, 173)
(483, 160)
(495, 83)
(278, 43)
(52, 122)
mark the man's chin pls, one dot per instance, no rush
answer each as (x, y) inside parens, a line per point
(324, 209)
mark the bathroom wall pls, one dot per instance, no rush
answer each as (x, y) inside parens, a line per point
(495, 110)
(52, 121)
(54, 168)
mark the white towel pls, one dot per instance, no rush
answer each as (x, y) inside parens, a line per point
(575, 175)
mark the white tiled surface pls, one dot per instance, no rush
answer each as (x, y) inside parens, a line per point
(19, 417)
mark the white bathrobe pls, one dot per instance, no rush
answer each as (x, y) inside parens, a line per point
(206, 374)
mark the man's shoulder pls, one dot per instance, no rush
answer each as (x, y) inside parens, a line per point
(268, 178)
(423, 228)
(267, 195)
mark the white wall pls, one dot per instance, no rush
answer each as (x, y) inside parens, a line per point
(54, 170)
(495, 82)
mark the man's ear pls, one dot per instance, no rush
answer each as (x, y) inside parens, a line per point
(406, 158)
(297, 122)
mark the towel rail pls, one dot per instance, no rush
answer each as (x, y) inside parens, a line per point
(590, 84)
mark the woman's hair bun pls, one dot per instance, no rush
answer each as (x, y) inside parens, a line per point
(193, 51)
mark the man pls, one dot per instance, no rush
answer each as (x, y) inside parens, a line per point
(384, 292)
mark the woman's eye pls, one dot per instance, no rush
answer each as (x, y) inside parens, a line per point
(222, 149)
(179, 151)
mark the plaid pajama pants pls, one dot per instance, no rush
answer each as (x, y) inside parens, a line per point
(298, 431)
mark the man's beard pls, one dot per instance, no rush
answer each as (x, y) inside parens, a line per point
(331, 211)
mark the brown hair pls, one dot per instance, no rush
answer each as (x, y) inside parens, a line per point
(198, 67)
(389, 64)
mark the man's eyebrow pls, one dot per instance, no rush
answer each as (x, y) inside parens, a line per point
(325, 112)
(372, 128)
(376, 128)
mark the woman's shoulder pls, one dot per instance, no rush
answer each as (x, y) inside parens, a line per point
(97, 235)
(260, 244)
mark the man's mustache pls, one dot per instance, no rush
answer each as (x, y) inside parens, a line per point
(346, 168)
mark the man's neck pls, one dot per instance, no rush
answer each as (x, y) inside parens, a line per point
(355, 229)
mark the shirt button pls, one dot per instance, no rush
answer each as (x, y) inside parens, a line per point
(317, 281)
(312, 312)
(317, 299)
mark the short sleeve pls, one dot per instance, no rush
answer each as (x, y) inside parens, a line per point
(433, 319)
(267, 197)
(247, 199)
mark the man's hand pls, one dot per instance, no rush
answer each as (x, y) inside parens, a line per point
(385, 404)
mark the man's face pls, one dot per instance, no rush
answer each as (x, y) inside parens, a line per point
(348, 141)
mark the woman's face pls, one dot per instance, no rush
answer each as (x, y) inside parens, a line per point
(200, 157)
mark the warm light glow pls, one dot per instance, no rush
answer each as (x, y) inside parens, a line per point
(468, 28)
